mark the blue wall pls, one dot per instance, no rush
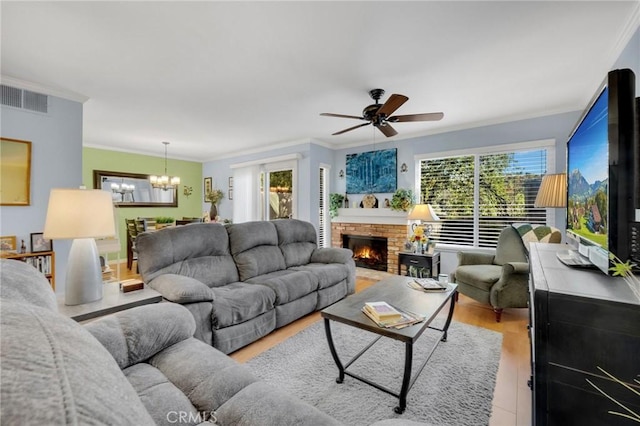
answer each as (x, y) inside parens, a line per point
(56, 162)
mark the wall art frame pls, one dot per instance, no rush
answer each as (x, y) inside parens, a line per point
(15, 172)
(40, 244)
(372, 172)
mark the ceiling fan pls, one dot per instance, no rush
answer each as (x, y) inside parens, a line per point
(380, 114)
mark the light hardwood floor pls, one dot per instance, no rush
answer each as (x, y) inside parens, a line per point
(512, 396)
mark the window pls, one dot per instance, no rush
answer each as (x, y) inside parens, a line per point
(476, 195)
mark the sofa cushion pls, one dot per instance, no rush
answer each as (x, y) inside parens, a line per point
(38, 292)
(50, 368)
(327, 274)
(162, 399)
(200, 251)
(479, 276)
(254, 246)
(134, 336)
(207, 376)
(262, 404)
(288, 285)
(297, 240)
(238, 302)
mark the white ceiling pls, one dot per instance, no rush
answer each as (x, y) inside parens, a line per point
(222, 78)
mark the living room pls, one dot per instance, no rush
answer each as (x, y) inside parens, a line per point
(66, 151)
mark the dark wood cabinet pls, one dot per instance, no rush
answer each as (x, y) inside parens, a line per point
(427, 261)
(580, 320)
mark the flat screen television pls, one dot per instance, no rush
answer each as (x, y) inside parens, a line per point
(602, 173)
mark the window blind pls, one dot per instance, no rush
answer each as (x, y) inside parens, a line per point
(476, 196)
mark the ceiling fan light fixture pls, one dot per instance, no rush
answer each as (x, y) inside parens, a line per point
(380, 115)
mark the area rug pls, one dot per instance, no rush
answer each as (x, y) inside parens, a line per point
(455, 388)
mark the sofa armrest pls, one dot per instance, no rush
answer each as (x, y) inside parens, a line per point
(137, 334)
(331, 255)
(180, 289)
(474, 258)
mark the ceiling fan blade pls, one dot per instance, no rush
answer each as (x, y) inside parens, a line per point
(394, 102)
(350, 128)
(328, 114)
(387, 130)
(432, 116)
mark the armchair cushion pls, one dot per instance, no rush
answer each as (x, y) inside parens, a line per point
(473, 258)
(480, 276)
(510, 247)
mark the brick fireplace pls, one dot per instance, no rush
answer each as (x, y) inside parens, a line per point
(382, 223)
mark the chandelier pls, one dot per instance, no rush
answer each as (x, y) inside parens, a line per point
(123, 189)
(164, 182)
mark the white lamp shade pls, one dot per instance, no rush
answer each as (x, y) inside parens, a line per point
(79, 213)
(423, 212)
(552, 191)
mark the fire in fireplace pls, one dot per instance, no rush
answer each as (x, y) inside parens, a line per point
(368, 252)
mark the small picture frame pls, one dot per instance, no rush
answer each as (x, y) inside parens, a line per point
(208, 186)
(39, 243)
(231, 194)
(8, 243)
(230, 182)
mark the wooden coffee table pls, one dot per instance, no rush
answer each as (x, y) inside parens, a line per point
(396, 292)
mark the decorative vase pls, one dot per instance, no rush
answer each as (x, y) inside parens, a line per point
(213, 212)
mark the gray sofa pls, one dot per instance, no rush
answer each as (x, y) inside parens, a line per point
(137, 367)
(242, 281)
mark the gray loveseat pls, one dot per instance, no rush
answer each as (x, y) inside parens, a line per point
(137, 367)
(243, 281)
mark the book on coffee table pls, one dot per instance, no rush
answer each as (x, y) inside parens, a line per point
(382, 311)
(426, 284)
(404, 318)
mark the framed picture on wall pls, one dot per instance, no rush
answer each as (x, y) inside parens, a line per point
(208, 185)
(373, 171)
(8, 243)
(39, 243)
(15, 172)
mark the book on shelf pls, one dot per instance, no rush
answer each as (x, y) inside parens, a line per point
(404, 320)
(382, 311)
(426, 284)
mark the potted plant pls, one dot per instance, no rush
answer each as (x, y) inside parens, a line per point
(335, 202)
(163, 222)
(214, 197)
(402, 200)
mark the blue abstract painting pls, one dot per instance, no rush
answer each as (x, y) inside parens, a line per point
(373, 171)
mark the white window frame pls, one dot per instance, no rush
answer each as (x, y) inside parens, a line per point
(548, 144)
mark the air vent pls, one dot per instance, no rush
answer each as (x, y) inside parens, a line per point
(25, 99)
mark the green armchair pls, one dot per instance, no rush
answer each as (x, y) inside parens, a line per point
(499, 279)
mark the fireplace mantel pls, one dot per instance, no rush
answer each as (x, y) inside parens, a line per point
(382, 216)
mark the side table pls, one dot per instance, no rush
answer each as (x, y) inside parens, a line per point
(113, 300)
(430, 261)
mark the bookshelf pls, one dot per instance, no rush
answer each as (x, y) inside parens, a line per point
(44, 261)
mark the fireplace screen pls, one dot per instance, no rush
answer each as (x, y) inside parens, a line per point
(368, 252)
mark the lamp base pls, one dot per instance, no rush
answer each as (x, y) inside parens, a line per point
(84, 274)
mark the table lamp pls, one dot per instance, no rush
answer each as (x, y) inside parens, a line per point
(81, 215)
(423, 213)
(552, 191)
